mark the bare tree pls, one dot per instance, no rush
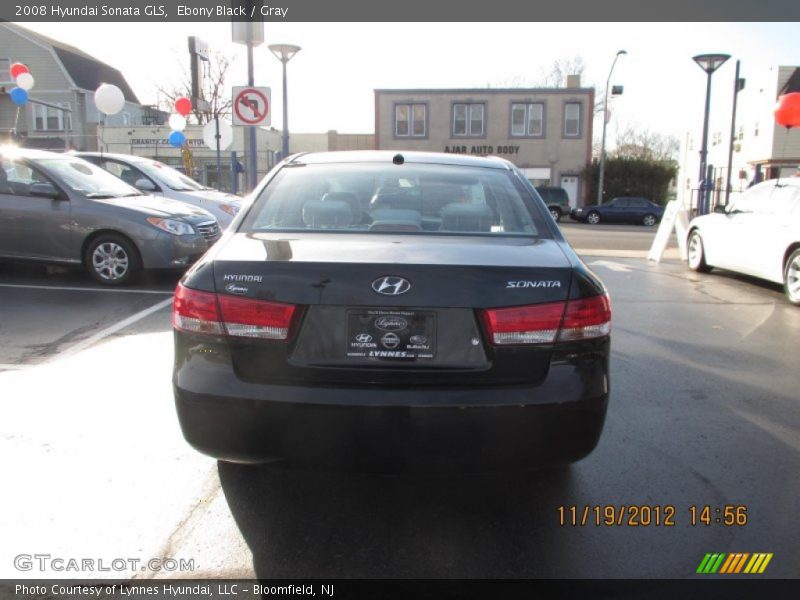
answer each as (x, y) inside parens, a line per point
(561, 67)
(215, 91)
(638, 142)
(553, 76)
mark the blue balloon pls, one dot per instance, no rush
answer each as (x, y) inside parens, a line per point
(18, 96)
(177, 139)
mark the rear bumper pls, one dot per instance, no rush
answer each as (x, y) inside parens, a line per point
(392, 429)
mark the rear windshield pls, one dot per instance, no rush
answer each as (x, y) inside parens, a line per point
(412, 198)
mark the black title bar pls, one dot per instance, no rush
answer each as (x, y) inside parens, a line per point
(402, 10)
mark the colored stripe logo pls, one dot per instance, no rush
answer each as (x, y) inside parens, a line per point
(734, 563)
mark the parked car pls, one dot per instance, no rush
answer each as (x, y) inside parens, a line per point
(556, 199)
(60, 208)
(391, 311)
(757, 234)
(620, 210)
(156, 178)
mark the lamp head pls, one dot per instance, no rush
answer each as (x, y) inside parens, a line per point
(710, 62)
(284, 52)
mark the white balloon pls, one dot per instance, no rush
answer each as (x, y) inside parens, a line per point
(25, 81)
(177, 122)
(109, 99)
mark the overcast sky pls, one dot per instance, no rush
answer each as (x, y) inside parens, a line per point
(332, 78)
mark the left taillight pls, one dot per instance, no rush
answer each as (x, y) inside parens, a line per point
(581, 319)
(217, 314)
(196, 312)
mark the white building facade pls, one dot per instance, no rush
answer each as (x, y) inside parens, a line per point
(762, 149)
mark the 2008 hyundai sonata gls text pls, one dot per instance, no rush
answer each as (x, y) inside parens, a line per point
(379, 311)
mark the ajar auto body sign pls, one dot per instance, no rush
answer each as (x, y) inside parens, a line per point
(482, 150)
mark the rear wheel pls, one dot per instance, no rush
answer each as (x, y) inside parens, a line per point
(556, 214)
(696, 253)
(649, 220)
(593, 218)
(791, 278)
(112, 259)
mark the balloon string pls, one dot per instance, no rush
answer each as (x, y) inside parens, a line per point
(16, 124)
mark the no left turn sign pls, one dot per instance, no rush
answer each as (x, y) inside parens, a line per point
(251, 105)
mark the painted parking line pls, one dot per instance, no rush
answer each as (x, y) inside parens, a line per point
(82, 289)
(610, 253)
(100, 335)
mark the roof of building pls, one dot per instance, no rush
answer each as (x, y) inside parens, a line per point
(85, 70)
(487, 90)
(792, 84)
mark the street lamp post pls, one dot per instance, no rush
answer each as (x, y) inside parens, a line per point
(709, 63)
(605, 122)
(284, 53)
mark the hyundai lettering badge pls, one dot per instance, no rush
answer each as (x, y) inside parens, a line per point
(391, 286)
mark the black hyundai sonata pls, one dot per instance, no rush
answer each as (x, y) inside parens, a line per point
(376, 310)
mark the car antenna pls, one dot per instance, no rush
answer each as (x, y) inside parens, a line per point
(398, 159)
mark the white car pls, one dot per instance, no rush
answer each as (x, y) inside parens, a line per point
(757, 234)
(156, 178)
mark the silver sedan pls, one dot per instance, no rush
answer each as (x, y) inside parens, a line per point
(62, 209)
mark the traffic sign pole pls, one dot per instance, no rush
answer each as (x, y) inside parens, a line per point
(219, 158)
(253, 157)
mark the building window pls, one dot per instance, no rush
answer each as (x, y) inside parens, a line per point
(126, 119)
(409, 120)
(5, 66)
(755, 131)
(572, 119)
(527, 120)
(49, 118)
(468, 119)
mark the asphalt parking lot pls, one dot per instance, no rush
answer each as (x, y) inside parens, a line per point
(704, 411)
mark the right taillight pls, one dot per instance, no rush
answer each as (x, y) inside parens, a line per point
(585, 319)
(581, 319)
(218, 314)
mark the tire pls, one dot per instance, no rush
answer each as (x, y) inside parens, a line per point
(696, 254)
(112, 259)
(556, 214)
(791, 278)
(593, 218)
(649, 220)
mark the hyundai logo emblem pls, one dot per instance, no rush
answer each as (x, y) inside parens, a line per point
(391, 286)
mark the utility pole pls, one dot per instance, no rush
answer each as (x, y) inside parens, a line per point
(738, 86)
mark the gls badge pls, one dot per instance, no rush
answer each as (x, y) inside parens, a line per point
(391, 286)
(542, 283)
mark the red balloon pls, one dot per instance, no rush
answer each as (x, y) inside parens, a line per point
(16, 69)
(787, 113)
(183, 106)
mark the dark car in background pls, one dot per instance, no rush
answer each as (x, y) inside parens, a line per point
(61, 209)
(620, 210)
(374, 310)
(556, 200)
